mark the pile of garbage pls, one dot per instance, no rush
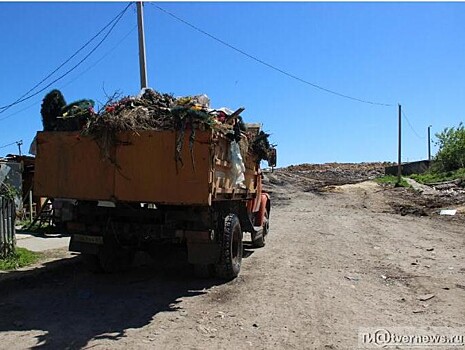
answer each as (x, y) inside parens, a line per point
(150, 110)
(317, 177)
(446, 192)
(340, 173)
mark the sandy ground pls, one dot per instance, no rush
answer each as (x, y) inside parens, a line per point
(336, 260)
(40, 243)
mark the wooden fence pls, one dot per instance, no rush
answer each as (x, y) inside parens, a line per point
(7, 226)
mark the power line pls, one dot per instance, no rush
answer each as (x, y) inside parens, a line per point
(290, 75)
(114, 21)
(411, 127)
(61, 65)
(10, 144)
(21, 110)
(77, 77)
(101, 58)
(75, 66)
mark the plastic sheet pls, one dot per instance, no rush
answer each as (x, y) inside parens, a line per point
(238, 167)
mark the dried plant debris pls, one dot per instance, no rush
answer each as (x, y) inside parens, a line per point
(150, 110)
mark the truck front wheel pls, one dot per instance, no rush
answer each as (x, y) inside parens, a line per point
(231, 248)
(259, 242)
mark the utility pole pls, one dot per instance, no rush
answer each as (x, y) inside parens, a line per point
(19, 143)
(429, 142)
(142, 65)
(399, 156)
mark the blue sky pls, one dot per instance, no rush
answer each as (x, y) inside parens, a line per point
(407, 53)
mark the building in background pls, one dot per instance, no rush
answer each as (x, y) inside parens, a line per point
(18, 172)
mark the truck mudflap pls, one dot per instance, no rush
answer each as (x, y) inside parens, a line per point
(246, 223)
(202, 247)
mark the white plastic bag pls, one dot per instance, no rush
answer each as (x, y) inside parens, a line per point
(238, 167)
(202, 100)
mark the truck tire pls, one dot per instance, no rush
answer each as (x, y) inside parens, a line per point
(231, 248)
(259, 242)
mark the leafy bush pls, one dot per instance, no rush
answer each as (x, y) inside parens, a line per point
(437, 176)
(391, 180)
(451, 154)
(8, 191)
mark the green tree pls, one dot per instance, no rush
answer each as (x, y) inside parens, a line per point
(451, 154)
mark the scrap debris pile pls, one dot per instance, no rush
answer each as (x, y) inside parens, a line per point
(150, 110)
(423, 200)
(339, 173)
(315, 177)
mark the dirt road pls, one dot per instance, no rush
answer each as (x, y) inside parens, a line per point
(335, 260)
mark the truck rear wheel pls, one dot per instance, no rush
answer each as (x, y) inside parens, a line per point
(231, 248)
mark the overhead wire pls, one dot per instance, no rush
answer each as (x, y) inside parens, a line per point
(290, 75)
(10, 144)
(77, 77)
(101, 58)
(114, 22)
(20, 110)
(65, 62)
(411, 127)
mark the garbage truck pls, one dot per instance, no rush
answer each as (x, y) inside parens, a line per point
(145, 193)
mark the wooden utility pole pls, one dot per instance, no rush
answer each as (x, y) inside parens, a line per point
(399, 155)
(429, 142)
(142, 65)
(19, 143)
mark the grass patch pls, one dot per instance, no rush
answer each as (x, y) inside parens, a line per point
(21, 258)
(391, 180)
(432, 177)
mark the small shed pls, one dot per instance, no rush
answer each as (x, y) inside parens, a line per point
(18, 172)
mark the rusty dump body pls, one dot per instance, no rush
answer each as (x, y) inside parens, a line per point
(144, 191)
(141, 167)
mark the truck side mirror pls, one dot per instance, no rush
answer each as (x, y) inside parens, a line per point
(272, 156)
